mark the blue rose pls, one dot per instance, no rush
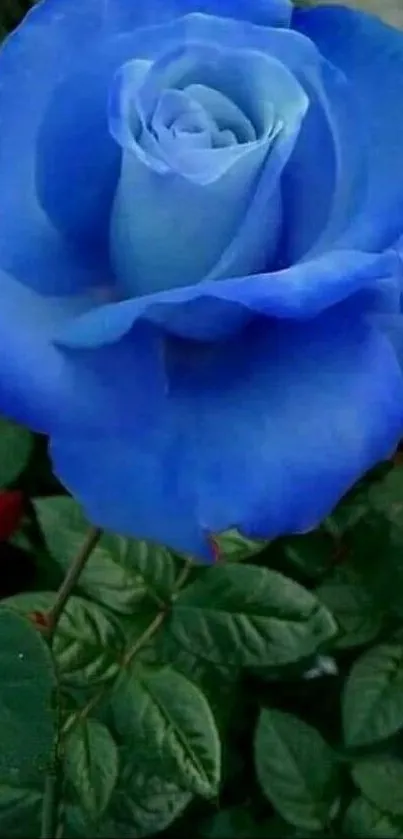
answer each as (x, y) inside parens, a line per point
(200, 210)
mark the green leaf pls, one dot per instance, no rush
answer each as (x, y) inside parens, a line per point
(372, 701)
(240, 823)
(27, 724)
(358, 617)
(249, 616)
(105, 578)
(120, 573)
(296, 769)
(276, 827)
(20, 810)
(144, 805)
(365, 821)
(219, 684)
(88, 643)
(15, 448)
(350, 511)
(137, 634)
(311, 553)
(168, 723)
(91, 765)
(385, 496)
(378, 557)
(376, 541)
(30, 601)
(233, 547)
(381, 780)
(156, 565)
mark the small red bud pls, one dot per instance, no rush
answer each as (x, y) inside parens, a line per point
(39, 618)
(11, 512)
(216, 550)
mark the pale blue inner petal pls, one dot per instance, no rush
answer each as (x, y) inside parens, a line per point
(178, 119)
(226, 114)
(223, 139)
(124, 119)
(197, 129)
(249, 104)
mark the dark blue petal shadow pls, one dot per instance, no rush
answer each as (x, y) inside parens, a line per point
(370, 54)
(264, 432)
(209, 311)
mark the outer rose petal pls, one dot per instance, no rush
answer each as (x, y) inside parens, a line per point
(370, 53)
(213, 310)
(32, 61)
(34, 376)
(39, 385)
(263, 433)
(148, 12)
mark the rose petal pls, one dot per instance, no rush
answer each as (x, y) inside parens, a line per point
(263, 433)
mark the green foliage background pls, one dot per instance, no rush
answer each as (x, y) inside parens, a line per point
(11, 12)
(260, 697)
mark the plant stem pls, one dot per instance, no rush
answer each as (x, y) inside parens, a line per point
(49, 807)
(99, 695)
(84, 713)
(183, 576)
(51, 798)
(71, 579)
(141, 642)
(131, 652)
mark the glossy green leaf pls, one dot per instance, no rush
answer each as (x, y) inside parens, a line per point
(88, 643)
(157, 566)
(233, 547)
(381, 780)
(359, 619)
(168, 723)
(365, 821)
(30, 601)
(15, 448)
(249, 616)
(296, 769)
(144, 805)
(121, 572)
(27, 685)
(91, 765)
(105, 578)
(136, 628)
(372, 701)
(219, 684)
